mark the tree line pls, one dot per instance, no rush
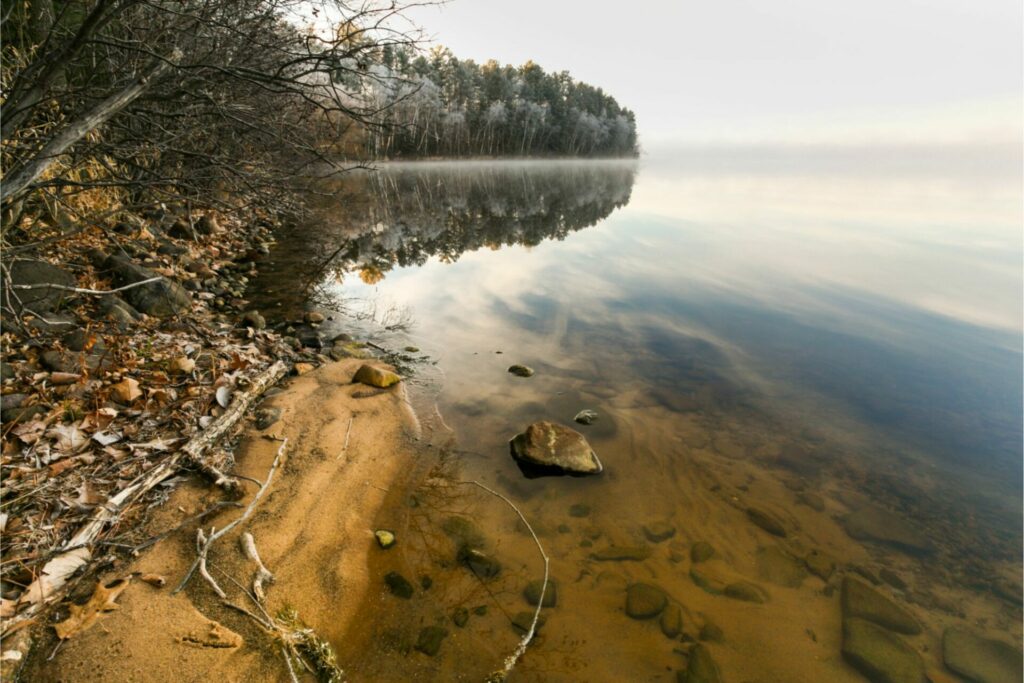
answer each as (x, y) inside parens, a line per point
(436, 104)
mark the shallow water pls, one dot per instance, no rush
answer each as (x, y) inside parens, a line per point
(833, 337)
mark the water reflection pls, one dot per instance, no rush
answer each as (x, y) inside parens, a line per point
(842, 353)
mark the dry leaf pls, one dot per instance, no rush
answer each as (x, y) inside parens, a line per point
(183, 365)
(126, 391)
(69, 437)
(82, 616)
(61, 465)
(99, 419)
(106, 438)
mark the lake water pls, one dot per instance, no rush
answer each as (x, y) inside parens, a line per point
(829, 337)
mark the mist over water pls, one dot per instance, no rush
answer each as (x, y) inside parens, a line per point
(750, 327)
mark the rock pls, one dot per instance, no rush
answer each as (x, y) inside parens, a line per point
(303, 368)
(21, 413)
(398, 585)
(766, 521)
(412, 349)
(41, 277)
(309, 337)
(375, 377)
(522, 620)
(550, 445)
(430, 639)
(892, 578)
(644, 601)
(464, 532)
(882, 657)
(710, 631)
(701, 551)
(520, 371)
(482, 564)
(348, 349)
(385, 538)
(779, 567)
(860, 600)
(881, 526)
(746, 591)
(811, 500)
(701, 667)
(671, 621)
(314, 318)
(585, 417)
(426, 582)
(180, 230)
(253, 319)
(170, 249)
(656, 532)
(480, 610)
(161, 298)
(6, 371)
(207, 225)
(119, 311)
(820, 564)
(532, 593)
(10, 401)
(267, 417)
(460, 617)
(980, 659)
(866, 573)
(579, 510)
(618, 553)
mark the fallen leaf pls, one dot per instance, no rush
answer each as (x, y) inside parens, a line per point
(183, 365)
(126, 391)
(61, 465)
(83, 616)
(29, 432)
(106, 438)
(69, 437)
(99, 419)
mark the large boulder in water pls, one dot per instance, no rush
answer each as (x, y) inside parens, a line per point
(862, 601)
(882, 656)
(881, 526)
(981, 659)
(548, 445)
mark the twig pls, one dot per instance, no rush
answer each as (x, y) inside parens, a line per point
(288, 662)
(82, 290)
(348, 433)
(513, 658)
(263, 574)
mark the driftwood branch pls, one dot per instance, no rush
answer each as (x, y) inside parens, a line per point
(82, 290)
(52, 582)
(263, 575)
(513, 659)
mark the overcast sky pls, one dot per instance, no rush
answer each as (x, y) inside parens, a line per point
(812, 71)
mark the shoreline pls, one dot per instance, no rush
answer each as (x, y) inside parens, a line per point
(313, 530)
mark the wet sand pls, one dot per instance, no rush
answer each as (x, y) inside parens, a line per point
(313, 530)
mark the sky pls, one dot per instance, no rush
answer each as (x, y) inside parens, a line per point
(755, 71)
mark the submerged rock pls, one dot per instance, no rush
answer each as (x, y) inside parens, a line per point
(811, 500)
(671, 621)
(550, 445)
(656, 532)
(398, 585)
(779, 567)
(430, 639)
(614, 553)
(701, 551)
(711, 631)
(375, 377)
(482, 564)
(585, 417)
(464, 532)
(644, 601)
(746, 591)
(980, 659)
(766, 521)
(881, 526)
(862, 601)
(385, 539)
(701, 667)
(820, 564)
(892, 578)
(532, 593)
(460, 617)
(522, 621)
(882, 656)
(579, 510)
(520, 371)
(267, 417)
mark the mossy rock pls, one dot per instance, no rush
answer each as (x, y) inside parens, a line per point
(460, 617)
(711, 632)
(376, 377)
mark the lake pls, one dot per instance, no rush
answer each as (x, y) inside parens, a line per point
(806, 365)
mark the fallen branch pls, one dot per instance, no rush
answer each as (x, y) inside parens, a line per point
(53, 581)
(348, 433)
(82, 290)
(263, 575)
(513, 658)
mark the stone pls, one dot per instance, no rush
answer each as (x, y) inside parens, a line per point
(254, 320)
(585, 417)
(267, 417)
(746, 591)
(426, 582)
(460, 617)
(314, 318)
(882, 656)
(430, 639)
(711, 631)
(398, 585)
(701, 551)
(645, 601)
(811, 500)
(881, 526)
(820, 564)
(981, 659)
(375, 377)
(520, 370)
(21, 413)
(207, 225)
(522, 621)
(181, 230)
(43, 278)
(892, 578)
(861, 601)
(482, 564)
(7, 371)
(671, 621)
(532, 593)
(618, 553)
(464, 532)
(579, 510)
(779, 567)
(385, 538)
(161, 298)
(701, 667)
(348, 349)
(656, 532)
(412, 349)
(766, 521)
(549, 445)
(866, 573)
(303, 368)
(309, 337)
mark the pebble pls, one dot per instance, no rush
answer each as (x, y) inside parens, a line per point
(521, 370)
(586, 417)
(385, 539)
(398, 585)
(644, 601)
